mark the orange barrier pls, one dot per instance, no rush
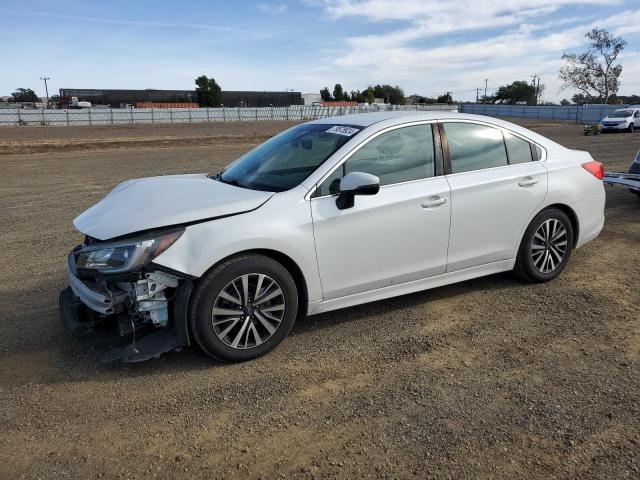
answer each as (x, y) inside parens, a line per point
(165, 105)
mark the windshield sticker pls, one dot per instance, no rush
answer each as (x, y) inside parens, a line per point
(346, 131)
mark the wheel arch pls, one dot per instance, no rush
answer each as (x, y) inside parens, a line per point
(563, 207)
(287, 262)
(573, 218)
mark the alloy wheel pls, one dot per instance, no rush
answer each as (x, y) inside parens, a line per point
(549, 245)
(248, 311)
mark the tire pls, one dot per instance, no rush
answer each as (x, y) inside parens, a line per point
(532, 266)
(630, 127)
(216, 331)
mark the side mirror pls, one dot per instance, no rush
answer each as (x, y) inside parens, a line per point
(356, 183)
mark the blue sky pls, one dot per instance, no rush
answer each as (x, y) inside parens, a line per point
(425, 46)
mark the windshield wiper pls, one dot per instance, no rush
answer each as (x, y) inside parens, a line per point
(218, 177)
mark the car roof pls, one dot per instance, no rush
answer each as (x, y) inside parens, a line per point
(381, 120)
(369, 118)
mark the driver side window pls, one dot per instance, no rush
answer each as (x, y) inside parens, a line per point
(401, 155)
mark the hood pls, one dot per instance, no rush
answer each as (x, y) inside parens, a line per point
(155, 202)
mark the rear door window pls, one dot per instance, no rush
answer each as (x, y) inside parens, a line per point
(474, 147)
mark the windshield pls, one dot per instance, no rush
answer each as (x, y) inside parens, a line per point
(621, 114)
(284, 161)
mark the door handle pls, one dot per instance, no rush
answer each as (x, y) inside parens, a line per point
(527, 182)
(436, 202)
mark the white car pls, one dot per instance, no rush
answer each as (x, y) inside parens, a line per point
(624, 119)
(328, 214)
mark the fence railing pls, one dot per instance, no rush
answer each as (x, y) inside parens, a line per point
(590, 113)
(190, 115)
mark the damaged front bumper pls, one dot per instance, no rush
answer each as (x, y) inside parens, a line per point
(149, 306)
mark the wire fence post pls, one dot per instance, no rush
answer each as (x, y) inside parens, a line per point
(131, 113)
(153, 117)
(256, 114)
(67, 115)
(171, 115)
(89, 112)
(287, 112)
(44, 120)
(110, 111)
(208, 119)
(19, 119)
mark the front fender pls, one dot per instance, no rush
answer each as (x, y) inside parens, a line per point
(280, 226)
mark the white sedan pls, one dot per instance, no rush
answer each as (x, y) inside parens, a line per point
(328, 214)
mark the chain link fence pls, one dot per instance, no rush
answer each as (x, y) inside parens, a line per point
(114, 116)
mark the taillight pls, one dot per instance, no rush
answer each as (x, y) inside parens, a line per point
(594, 168)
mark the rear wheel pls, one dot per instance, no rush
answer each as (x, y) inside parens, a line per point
(631, 127)
(243, 308)
(546, 246)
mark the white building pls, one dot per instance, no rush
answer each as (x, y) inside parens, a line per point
(311, 98)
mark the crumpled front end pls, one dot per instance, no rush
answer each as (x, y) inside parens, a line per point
(147, 307)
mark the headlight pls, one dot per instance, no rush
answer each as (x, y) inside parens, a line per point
(125, 256)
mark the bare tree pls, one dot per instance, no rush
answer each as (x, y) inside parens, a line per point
(594, 72)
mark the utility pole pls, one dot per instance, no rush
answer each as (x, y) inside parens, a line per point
(486, 80)
(537, 90)
(533, 84)
(46, 88)
(477, 94)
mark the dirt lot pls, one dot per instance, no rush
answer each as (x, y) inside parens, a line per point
(490, 378)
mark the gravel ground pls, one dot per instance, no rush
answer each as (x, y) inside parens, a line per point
(490, 378)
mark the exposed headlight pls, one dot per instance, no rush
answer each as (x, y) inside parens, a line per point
(125, 256)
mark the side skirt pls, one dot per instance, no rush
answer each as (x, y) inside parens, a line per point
(411, 287)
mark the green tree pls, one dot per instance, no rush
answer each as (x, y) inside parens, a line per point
(325, 94)
(25, 95)
(446, 98)
(564, 102)
(594, 72)
(393, 95)
(338, 93)
(209, 92)
(519, 92)
(368, 96)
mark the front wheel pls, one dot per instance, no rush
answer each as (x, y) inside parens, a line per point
(546, 246)
(631, 127)
(243, 308)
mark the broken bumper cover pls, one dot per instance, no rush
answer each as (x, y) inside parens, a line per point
(139, 308)
(97, 298)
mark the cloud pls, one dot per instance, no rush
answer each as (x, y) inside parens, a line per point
(428, 43)
(136, 23)
(450, 15)
(272, 8)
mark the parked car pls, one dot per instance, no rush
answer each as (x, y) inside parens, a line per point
(326, 215)
(635, 166)
(631, 180)
(624, 119)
